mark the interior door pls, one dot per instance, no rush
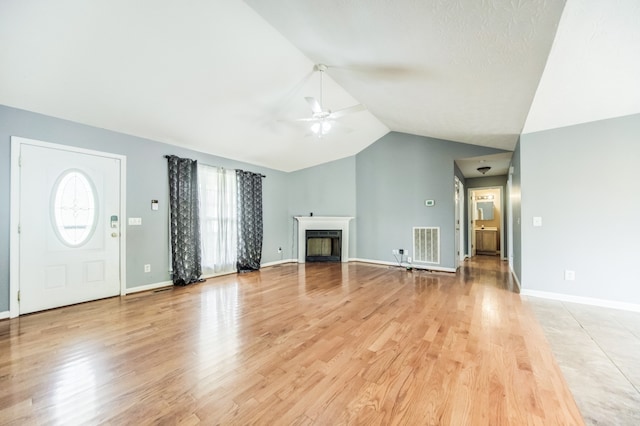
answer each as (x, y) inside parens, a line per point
(461, 223)
(473, 212)
(510, 219)
(69, 227)
(457, 221)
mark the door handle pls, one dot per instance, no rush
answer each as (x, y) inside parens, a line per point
(114, 234)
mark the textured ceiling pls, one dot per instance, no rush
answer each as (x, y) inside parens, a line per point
(593, 70)
(208, 75)
(229, 77)
(498, 163)
(460, 70)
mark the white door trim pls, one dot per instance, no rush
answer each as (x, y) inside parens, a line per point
(459, 224)
(509, 203)
(462, 224)
(502, 253)
(14, 241)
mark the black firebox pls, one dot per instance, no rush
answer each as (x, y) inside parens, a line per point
(323, 246)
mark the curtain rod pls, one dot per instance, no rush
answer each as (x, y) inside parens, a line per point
(218, 167)
(260, 174)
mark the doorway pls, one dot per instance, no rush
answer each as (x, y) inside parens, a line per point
(67, 242)
(486, 221)
(459, 221)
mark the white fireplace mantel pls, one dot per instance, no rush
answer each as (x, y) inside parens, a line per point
(325, 223)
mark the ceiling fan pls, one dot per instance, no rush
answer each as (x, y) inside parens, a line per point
(322, 119)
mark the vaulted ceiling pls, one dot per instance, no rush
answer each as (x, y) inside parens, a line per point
(229, 77)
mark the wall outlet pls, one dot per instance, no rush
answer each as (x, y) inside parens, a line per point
(569, 275)
(147, 268)
(394, 251)
(409, 259)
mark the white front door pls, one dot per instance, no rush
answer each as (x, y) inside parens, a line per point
(69, 227)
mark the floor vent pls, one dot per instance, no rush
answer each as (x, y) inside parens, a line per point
(426, 245)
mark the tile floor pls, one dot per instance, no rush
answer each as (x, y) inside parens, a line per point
(598, 350)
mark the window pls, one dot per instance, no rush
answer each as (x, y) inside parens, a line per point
(218, 219)
(74, 208)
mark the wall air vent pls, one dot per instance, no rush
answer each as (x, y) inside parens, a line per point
(426, 245)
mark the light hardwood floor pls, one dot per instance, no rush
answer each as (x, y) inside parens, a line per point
(292, 344)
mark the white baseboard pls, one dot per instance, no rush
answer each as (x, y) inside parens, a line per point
(278, 262)
(515, 277)
(582, 300)
(219, 274)
(413, 265)
(155, 286)
(5, 315)
(148, 287)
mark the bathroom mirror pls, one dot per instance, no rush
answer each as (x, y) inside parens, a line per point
(485, 210)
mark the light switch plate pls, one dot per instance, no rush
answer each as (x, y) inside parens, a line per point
(537, 221)
(135, 221)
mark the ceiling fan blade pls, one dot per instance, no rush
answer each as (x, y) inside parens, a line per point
(314, 104)
(349, 110)
(307, 119)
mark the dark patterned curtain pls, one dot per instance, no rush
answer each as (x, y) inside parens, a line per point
(185, 223)
(249, 220)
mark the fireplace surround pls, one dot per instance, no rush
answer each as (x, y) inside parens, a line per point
(323, 223)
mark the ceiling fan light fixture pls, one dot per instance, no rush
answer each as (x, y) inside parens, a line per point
(484, 169)
(321, 127)
(323, 119)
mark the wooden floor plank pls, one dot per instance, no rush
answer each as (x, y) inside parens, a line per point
(293, 344)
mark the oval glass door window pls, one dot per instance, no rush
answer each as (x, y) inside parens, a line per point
(74, 208)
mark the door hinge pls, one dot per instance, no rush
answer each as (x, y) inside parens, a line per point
(19, 229)
(20, 161)
(18, 295)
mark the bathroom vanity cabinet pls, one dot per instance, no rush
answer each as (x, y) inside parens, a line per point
(486, 241)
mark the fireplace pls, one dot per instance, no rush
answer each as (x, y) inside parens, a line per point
(323, 245)
(324, 223)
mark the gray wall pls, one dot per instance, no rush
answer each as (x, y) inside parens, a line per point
(581, 181)
(394, 177)
(146, 180)
(384, 187)
(325, 190)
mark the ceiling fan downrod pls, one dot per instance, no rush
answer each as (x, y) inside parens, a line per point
(321, 68)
